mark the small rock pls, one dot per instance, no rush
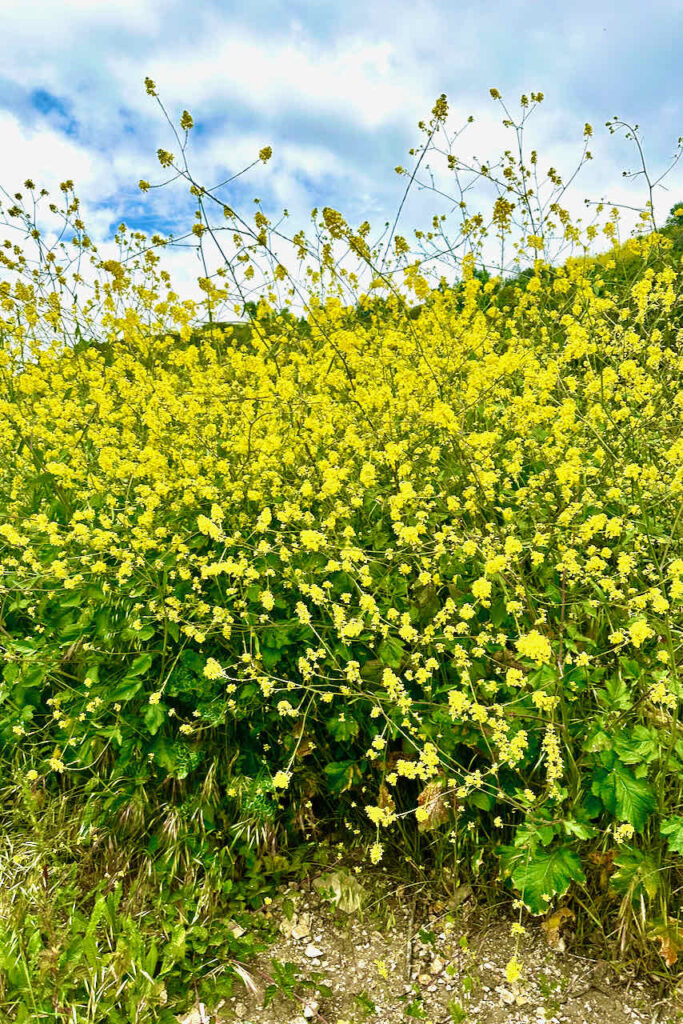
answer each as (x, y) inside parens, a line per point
(312, 951)
(301, 929)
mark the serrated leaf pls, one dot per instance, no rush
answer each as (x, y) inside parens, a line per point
(546, 873)
(672, 828)
(636, 871)
(10, 672)
(616, 695)
(125, 690)
(639, 746)
(579, 829)
(628, 798)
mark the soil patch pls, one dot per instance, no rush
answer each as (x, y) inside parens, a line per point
(352, 953)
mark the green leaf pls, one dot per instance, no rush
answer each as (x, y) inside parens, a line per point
(484, 801)
(498, 613)
(152, 959)
(636, 872)
(343, 728)
(125, 690)
(270, 657)
(391, 652)
(154, 716)
(673, 828)
(597, 740)
(630, 667)
(10, 672)
(92, 674)
(146, 633)
(140, 666)
(32, 675)
(640, 746)
(628, 798)
(278, 636)
(174, 951)
(579, 829)
(341, 775)
(544, 874)
(616, 695)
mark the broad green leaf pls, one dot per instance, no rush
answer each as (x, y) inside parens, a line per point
(615, 695)
(125, 690)
(498, 614)
(540, 876)
(637, 872)
(92, 674)
(597, 740)
(146, 633)
(154, 716)
(341, 775)
(343, 728)
(639, 746)
(579, 829)
(270, 657)
(484, 801)
(10, 672)
(626, 797)
(673, 828)
(391, 652)
(140, 666)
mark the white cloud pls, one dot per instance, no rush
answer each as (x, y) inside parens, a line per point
(364, 82)
(335, 89)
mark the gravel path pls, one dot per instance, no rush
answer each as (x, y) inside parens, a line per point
(372, 958)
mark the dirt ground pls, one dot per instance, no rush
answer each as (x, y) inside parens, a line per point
(370, 957)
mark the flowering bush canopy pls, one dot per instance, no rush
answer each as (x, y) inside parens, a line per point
(365, 557)
(387, 570)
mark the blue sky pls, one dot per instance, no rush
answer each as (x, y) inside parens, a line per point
(336, 89)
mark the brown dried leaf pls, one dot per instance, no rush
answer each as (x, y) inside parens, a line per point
(554, 925)
(670, 940)
(437, 802)
(604, 861)
(385, 799)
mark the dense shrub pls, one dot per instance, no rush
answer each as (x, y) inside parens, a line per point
(362, 560)
(384, 572)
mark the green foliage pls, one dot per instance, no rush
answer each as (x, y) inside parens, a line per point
(541, 875)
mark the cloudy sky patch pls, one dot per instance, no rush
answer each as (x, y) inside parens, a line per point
(335, 89)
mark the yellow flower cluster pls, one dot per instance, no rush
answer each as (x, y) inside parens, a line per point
(417, 536)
